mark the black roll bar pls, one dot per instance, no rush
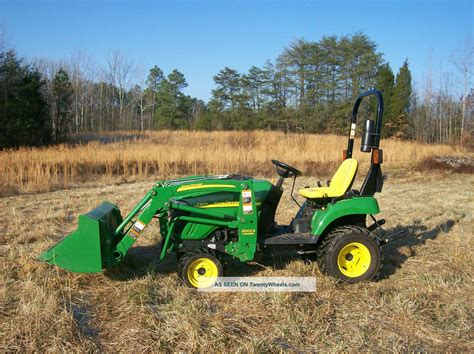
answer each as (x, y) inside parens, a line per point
(378, 123)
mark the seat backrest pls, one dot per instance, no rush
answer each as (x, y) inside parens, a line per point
(343, 178)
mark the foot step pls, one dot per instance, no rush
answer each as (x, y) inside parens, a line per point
(290, 239)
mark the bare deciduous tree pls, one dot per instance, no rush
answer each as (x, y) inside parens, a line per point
(81, 71)
(139, 94)
(463, 60)
(120, 70)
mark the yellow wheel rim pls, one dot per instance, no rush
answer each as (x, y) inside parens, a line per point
(202, 272)
(354, 259)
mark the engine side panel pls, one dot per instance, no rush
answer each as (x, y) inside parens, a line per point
(229, 202)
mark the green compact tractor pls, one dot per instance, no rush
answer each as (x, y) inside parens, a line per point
(204, 218)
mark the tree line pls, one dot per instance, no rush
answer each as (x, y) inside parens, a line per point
(309, 87)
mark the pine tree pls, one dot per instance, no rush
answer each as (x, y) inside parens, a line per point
(364, 62)
(401, 98)
(226, 96)
(253, 82)
(384, 82)
(171, 112)
(330, 68)
(62, 93)
(153, 82)
(298, 58)
(23, 107)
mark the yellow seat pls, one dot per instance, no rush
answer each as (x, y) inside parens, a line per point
(340, 182)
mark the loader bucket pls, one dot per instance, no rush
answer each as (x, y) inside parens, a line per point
(89, 249)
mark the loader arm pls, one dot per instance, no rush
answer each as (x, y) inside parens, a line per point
(103, 238)
(129, 230)
(157, 204)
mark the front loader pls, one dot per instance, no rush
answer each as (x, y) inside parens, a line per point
(205, 218)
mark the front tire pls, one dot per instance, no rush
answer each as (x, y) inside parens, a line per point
(199, 269)
(350, 254)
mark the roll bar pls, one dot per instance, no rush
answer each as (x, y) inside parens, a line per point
(378, 123)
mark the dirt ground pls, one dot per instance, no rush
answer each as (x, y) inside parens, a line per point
(423, 301)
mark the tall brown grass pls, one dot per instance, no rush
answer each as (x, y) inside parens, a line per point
(166, 154)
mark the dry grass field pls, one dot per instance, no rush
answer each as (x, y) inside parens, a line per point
(423, 301)
(129, 157)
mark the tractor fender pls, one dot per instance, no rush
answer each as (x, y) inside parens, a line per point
(354, 206)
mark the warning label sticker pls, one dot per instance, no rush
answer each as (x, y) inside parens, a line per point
(247, 201)
(136, 229)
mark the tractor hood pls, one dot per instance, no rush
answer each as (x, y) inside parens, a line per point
(215, 191)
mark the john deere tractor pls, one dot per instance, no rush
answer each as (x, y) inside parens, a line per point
(205, 218)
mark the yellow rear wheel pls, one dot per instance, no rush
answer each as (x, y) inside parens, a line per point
(199, 270)
(350, 254)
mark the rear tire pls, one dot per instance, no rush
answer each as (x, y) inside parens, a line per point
(350, 254)
(199, 269)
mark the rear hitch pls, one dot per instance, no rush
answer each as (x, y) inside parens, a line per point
(395, 235)
(384, 238)
(376, 224)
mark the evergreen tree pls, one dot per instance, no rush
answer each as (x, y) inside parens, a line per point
(298, 58)
(283, 84)
(329, 67)
(384, 82)
(270, 87)
(171, 112)
(153, 82)
(154, 78)
(23, 107)
(230, 102)
(62, 94)
(400, 104)
(228, 92)
(363, 63)
(253, 83)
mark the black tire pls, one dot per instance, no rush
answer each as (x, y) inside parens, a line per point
(350, 254)
(193, 266)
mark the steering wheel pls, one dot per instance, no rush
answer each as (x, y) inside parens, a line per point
(285, 170)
